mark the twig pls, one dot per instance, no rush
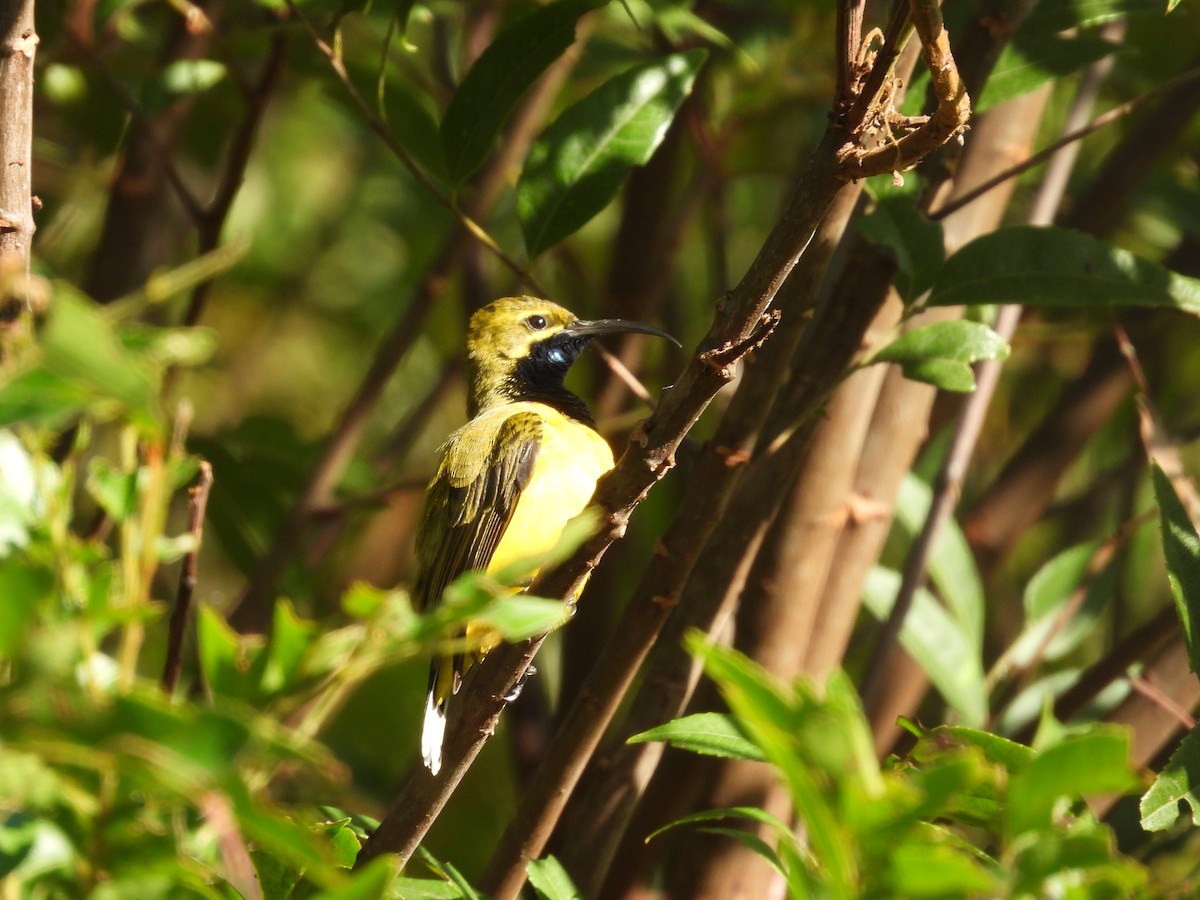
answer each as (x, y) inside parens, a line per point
(1101, 121)
(197, 504)
(1164, 702)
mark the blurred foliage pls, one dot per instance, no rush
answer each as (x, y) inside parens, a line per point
(258, 777)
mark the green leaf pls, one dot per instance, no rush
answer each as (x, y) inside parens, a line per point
(712, 734)
(425, 889)
(551, 881)
(1178, 781)
(951, 562)
(115, 491)
(80, 343)
(927, 869)
(1035, 58)
(1059, 15)
(372, 882)
(1048, 591)
(520, 616)
(43, 397)
(1092, 763)
(1049, 267)
(578, 164)
(498, 79)
(941, 353)
(1181, 546)
(291, 638)
(23, 587)
(727, 812)
(937, 642)
(897, 222)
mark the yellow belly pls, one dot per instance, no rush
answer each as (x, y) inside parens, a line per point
(570, 460)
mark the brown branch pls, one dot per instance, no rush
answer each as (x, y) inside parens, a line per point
(177, 629)
(949, 119)
(18, 46)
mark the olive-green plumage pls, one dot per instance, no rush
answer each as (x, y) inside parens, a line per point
(509, 480)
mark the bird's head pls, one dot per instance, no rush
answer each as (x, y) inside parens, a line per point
(520, 348)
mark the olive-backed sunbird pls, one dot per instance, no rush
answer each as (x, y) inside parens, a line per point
(509, 480)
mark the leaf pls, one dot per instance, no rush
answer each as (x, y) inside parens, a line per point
(550, 880)
(43, 397)
(936, 641)
(1092, 763)
(951, 562)
(520, 616)
(1181, 547)
(23, 587)
(712, 734)
(928, 869)
(116, 492)
(80, 343)
(941, 353)
(1059, 15)
(372, 882)
(1178, 781)
(1051, 267)
(425, 889)
(727, 812)
(1035, 58)
(577, 165)
(498, 79)
(897, 222)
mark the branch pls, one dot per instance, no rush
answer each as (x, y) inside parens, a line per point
(949, 119)
(197, 504)
(18, 46)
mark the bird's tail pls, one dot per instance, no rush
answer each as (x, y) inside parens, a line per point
(432, 733)
(443, 682)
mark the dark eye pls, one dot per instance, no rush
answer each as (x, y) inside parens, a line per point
(536, 322)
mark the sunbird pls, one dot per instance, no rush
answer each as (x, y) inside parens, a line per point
(509, 480)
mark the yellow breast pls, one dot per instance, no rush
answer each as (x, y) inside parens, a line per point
(570, 461)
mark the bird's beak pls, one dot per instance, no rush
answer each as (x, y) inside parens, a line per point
(590, 328)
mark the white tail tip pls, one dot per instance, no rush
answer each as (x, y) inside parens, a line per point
(432, 733)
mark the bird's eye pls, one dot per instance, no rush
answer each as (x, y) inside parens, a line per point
(536, 322)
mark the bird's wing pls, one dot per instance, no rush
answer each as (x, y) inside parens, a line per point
(471, 501)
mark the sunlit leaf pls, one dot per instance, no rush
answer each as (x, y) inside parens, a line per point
(937, 642)
(1181, 546)
(1179, 781)
(1093, 763)
(1035, 58)
(941, 353)
(1057, 267)
(712, 734)
(576, 167)
(550, 880)
(498, 79)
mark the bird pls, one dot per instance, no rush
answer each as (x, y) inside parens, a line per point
(508, 481)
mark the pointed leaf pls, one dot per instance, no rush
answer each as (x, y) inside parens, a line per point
(1178, 781)
(940, 354)
(1035, 58)
(937, 642)
(498, 79)
(1057, 267)
(1181, 546)
(551, 881)
(712, 734)
(580, 161)
(898, 223)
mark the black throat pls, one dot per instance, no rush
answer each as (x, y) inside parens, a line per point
(538, 377)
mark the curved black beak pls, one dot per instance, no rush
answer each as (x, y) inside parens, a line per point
(590, 328)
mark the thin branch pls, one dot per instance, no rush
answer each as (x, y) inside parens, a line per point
(1113, 115)
(1163, 701)
(849, 36)
(177, 631)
